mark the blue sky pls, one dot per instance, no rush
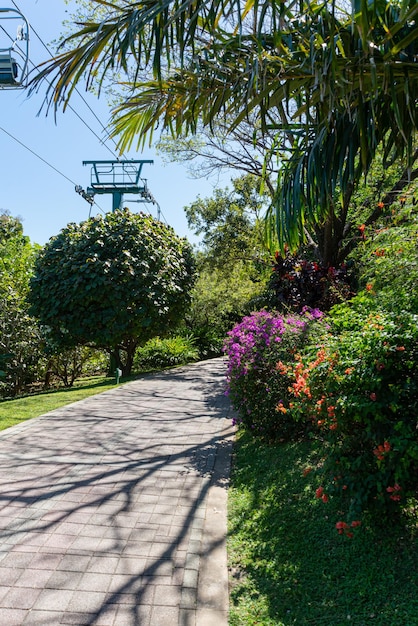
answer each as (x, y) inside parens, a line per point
(44, 199)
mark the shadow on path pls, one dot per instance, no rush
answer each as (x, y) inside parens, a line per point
(103, 503)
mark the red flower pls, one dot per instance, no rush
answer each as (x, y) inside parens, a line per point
(373, 396)
(395, 492)
(341, 527)
(319, 492)
(324, 498)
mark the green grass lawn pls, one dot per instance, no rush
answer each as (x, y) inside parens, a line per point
(20, 409)
(288, 563)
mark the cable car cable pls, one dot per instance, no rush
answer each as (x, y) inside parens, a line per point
(37, 155)
(102, 141)
(42, 159)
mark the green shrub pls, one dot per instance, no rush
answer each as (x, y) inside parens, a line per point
(168, 352)
(219, 300)
(360, 392)
(388, 263)
(69, 365)
(254, 347)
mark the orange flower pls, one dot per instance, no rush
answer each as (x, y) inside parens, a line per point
(400, 348)
(282, 368)
(381, 205)
(307, 471)
(369, 286)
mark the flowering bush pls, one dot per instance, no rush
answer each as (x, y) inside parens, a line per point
(360, 391)
(254, 347)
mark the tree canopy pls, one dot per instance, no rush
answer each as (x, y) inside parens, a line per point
(333, 85)
(231, 224)
(112, 282)
(19, 335)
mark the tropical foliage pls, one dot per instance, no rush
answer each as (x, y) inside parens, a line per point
(333, 85)
(353, 388)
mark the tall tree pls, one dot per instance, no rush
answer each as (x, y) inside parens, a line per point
(333, 86)
(20, 343)
(112, 283)
(231, 225)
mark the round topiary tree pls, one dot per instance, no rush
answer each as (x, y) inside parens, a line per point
(112, 282)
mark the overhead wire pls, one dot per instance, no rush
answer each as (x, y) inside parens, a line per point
(102, 141)
(38, 156)
(81, 96)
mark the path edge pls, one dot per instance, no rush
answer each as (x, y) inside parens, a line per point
(213, 584)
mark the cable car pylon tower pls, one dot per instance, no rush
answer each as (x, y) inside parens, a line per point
(117, 178)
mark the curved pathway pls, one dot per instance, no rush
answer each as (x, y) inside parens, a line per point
(113, 509)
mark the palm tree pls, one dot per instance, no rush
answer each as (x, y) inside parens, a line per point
(332, 86)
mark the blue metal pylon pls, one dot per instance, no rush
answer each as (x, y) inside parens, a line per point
(118, 178)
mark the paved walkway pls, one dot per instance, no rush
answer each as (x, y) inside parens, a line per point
(113, 509)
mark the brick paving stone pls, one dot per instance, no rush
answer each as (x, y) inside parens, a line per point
(12, 617)
(167, 595)
(36, 578)
(86, 601)
(53, 600)
(61, 579)
(105, 519)
(167, 615)
(42, 618)
(77, 618)
(91, 581)
(20, 598)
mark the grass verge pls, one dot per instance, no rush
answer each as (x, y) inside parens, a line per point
(289, 565)
(15, 411)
